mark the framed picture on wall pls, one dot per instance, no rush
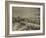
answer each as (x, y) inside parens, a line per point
(24, 18)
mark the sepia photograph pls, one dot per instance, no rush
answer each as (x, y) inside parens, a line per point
(25, 18)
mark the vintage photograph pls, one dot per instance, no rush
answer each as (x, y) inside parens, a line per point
(25, 18)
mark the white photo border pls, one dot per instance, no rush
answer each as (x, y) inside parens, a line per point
(24, 32)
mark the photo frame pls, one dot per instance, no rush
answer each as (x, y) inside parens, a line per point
(15, 6)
